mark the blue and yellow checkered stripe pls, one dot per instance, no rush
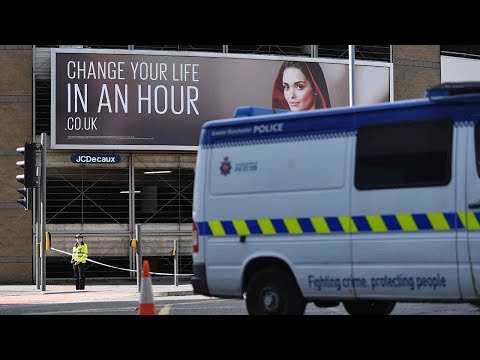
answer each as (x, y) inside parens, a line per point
(434, 221)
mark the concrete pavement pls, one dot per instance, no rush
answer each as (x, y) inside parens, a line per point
(29, 294)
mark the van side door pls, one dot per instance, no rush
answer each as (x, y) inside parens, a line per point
(403, 204)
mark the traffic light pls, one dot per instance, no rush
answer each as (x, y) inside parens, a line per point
(28, 164)
(28, 178)
(27, 200)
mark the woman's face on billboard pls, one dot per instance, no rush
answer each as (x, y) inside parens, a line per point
(297, 90)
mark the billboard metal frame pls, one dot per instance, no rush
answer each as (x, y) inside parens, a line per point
(54, 51)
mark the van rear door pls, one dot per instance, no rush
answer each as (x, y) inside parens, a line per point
(471, 216)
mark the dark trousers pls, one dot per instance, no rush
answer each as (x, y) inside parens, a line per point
(79, 275)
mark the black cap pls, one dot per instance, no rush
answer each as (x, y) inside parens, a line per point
(79, 236)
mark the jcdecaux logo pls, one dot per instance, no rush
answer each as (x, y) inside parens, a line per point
(95, 159)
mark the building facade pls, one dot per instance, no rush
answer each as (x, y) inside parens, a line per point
(100, 200)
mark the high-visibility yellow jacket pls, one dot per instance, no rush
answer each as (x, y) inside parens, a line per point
(80, 252)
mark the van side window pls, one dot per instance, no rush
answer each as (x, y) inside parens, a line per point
(401, 155)
(477, 147)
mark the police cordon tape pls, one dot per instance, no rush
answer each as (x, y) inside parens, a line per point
(114, 267)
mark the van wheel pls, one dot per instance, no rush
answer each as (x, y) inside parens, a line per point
(273, 291)
(369, 307)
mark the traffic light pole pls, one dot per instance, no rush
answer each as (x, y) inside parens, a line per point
(43, 203)
(34, 197)
(37, 237)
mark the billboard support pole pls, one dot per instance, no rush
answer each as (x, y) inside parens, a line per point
(351, 73)
(43, 199)
(131, 215)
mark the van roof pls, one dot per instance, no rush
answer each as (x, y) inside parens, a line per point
(444, 92)
(440, 101)
(272, 115)
(448, 89)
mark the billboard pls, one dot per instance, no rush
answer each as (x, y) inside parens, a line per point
(152, 100)
(454, 69)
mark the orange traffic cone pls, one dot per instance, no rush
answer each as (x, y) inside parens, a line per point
(147, 303)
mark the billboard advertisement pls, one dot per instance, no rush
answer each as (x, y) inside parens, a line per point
(151, 100)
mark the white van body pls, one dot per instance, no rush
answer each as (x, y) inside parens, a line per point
(367, 206)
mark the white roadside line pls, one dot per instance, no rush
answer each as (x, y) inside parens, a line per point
(165, 310)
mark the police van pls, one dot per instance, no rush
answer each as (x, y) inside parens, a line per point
(365, 205)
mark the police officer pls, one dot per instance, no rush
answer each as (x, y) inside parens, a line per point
(79, 259)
